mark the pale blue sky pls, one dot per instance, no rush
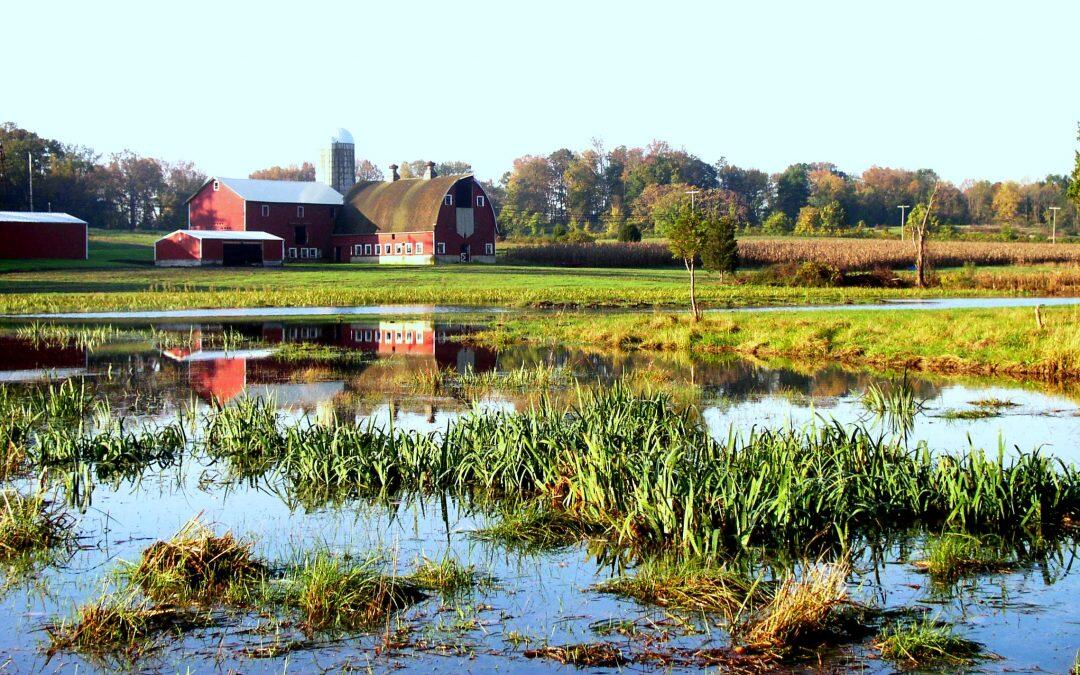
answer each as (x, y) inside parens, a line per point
(972, 89)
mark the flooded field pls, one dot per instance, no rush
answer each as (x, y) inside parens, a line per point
(527, 605)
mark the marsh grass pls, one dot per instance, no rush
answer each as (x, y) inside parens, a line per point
(44, 334)
(896, 404)
(802, 607)
(30, 524)
(586, 655)
(956, 554)
(689, 585)
(925, 642)
(533, 528)
(970, 414)
(197, 565)
(994, 403)
(337, 594)
(118, 624)
(448, 577)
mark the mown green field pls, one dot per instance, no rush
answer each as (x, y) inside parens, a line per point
(120, 275)
(1001, 341)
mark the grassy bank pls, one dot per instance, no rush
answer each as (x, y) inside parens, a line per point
(991, 341)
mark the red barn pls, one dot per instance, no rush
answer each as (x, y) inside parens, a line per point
(420, 220)
(193, 248)
(27, 235)
(301, 213)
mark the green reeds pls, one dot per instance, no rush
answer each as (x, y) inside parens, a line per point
(335, 593)
(30, 524)
(926, 642)
(448, 577)
(896, 404)
(956, 554)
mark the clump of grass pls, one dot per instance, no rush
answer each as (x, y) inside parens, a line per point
(196, 564)
(956, 554)
(532, 528)
(588, 655)
(336, 594)
(447, 576)
(113, 625)
(30, 524)
(925, 642)
(995, 403)
(688, 586)
(801, 606)
(970, 414)
(896, 404)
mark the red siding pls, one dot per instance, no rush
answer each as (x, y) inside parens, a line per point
(221, 210)
(484, 227)
(272, 251)
(177, 246)
(384, 239)
(42, 240)
(283, 220)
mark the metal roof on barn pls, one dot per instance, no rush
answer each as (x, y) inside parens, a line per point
(405, 205)
(227, 235)
(38, 217)
(279, 191)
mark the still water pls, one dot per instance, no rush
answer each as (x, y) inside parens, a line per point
(152, 372)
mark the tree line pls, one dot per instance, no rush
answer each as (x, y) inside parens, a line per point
(622, 189)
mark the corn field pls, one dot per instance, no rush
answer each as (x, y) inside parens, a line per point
(841, 254)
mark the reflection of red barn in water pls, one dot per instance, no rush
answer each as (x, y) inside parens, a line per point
(24, 361)
(221, 376)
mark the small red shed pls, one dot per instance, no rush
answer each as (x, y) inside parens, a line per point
(29, 235)
(193, 248)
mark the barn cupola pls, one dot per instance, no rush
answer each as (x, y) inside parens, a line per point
(429, 172)
(393, 173)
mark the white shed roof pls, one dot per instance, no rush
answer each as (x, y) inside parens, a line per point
(38, 217)
(231, 235)
(283, 191)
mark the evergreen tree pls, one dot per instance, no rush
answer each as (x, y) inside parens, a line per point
(1074, 180)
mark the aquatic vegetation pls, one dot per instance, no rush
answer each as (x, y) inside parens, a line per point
(994, 403)
(120, 624)
(335, 593)
(896, 404)
(30, 523)
(956, 554)
(45, 334)
(532, 528)
(688, 585)
(197, 564)
(925, 642)
(588, 655)
(448, 576)
(800, 606)
(970, 414)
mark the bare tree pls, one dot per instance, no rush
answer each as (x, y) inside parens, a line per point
(922, 228)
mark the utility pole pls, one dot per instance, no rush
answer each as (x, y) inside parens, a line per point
(30, 173)
(1053, 230)
(902, 207)
(692, 193)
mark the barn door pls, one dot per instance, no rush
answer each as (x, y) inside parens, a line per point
(465, 223)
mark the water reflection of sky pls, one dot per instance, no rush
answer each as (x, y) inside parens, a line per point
(544, 596)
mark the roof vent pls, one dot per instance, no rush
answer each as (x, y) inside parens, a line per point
(429, 172)
(393, 173)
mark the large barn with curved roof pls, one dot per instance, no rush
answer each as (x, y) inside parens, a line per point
(406, 221)
(418, 220)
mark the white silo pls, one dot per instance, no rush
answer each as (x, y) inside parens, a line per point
(337, 163)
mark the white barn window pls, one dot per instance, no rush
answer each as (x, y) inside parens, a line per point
(217, 186)
(367, 249)
(489, 249)
(265, 210)
(480, 200)
(440, 248)
(419, 247)
(448, 200)
(299, 211)
(408, 248)
(292, 251)
(397, 249)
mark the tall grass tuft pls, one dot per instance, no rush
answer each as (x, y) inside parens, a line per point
(334, 593)
(925, 642)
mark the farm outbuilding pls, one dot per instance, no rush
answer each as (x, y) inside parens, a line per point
(194, 248)
(30, 235)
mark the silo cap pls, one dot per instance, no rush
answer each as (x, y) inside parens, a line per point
(342, 136)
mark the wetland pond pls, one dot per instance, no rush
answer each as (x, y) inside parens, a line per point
(420, 373)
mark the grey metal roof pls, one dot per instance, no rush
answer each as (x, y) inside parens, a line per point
(38, 217)
(231, 235)
(282, 191)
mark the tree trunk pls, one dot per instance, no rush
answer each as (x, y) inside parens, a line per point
(693, 289)
(920, 241)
